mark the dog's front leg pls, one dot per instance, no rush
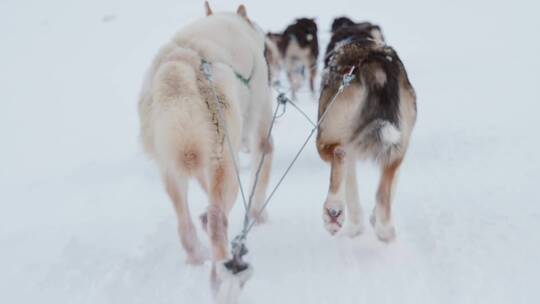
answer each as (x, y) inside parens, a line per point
(176, 187)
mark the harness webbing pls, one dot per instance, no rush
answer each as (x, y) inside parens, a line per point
(242, 79)
(245, 81)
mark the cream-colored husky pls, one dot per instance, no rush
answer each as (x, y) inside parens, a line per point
(181, 127)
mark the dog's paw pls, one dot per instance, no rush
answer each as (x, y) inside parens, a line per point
(226, 284)
(354, 229)
(259, 217)
(223, 273)
(385, 231)
(333, 216)
(197, 256)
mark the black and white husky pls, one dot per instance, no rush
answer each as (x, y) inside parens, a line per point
(372, 118)
(299, 47)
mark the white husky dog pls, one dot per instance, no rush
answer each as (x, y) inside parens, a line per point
(182, 131)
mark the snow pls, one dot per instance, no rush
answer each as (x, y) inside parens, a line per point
(84, 218)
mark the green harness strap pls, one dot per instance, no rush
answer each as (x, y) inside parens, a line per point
(240, 77)
(244, 80)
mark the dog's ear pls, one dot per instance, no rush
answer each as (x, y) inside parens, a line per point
(241, 11)
(207, 8)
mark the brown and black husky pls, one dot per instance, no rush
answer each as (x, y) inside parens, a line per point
(372, 118)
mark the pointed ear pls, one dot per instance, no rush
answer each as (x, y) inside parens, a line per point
(242, 11)
(207, 8)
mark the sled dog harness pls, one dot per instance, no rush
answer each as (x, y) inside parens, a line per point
(245, 81)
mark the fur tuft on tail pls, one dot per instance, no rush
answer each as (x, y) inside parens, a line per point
(379, 133)
(389, 134)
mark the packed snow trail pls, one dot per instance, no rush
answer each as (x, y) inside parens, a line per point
(84, 217)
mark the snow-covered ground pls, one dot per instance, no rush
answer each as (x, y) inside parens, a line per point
(84, 218)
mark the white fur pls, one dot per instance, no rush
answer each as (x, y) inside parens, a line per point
(231, 284)
(181, 128)
(390, 134)
(377, 35)
(384, 228)
(355, 214)
(380, 77)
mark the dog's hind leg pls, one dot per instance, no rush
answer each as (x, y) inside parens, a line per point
(355, 214)
(333, 211)
(223, 191)
(262, 146)
(201, 178)
(177, 188)
(222, 194)
(381, 219)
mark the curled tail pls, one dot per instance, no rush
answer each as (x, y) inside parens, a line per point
(378, 127)
(181, 128)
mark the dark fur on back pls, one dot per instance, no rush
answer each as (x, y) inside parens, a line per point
(344, 30)
(382, 101)
(304, 30)
(378, 69)
(341, 21)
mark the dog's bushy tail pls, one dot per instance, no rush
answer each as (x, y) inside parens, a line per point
(379, 125)
(180, 116)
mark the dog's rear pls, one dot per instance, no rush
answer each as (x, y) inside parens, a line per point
(299, 46)
(372, 118)
(177, 131)
(186, 128)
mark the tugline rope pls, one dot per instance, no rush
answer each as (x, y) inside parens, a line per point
(284, 100)
(347, 79)
(238, 247)
(259, 167)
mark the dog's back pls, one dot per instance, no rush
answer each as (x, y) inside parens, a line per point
(176, 101)
(344, 30)
(381, 96)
